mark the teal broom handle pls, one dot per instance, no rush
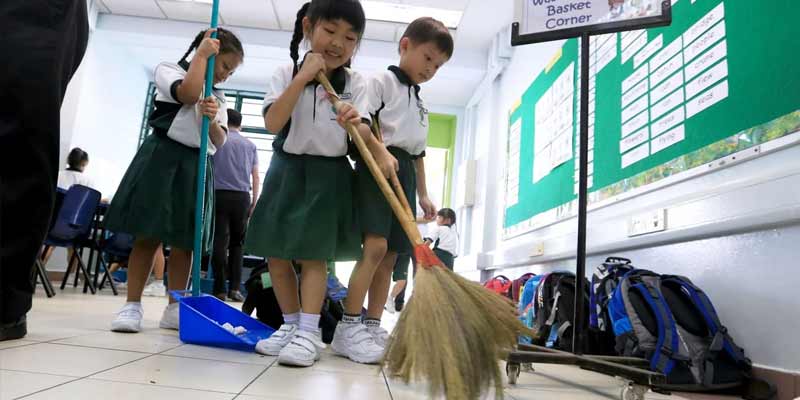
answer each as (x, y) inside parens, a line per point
(199, 206)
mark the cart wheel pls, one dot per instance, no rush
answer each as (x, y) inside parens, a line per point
(633, 392)
(512, 370)
(528, 367)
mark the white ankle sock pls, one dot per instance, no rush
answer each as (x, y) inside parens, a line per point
(292, 319)
(309, 322)
(351, 319)
(372, 322)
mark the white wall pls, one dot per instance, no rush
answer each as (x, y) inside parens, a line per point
(733, 231)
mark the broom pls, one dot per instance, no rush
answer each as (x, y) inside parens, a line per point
(453, 332)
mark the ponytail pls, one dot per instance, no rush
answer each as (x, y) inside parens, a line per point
(297, 36)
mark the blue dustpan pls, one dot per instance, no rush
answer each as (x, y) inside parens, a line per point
(202, 317)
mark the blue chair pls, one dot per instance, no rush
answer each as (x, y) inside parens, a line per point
(116, 247)
(73, 226)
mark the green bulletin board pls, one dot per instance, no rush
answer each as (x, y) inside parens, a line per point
(720, 79)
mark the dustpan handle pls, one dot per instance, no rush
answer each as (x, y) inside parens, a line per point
(400, 212)
(179, 294)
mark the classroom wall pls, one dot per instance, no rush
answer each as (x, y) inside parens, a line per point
(733, 231)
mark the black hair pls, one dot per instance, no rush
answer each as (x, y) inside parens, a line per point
(426, 29)
(228, 43)
(76, 158)
(348, 10)
(234, 118)
(448, 213)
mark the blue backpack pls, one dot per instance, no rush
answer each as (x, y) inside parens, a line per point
(671, 322)
(526, 307)
(604, 283)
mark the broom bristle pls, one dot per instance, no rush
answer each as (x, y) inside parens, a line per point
(452, 334)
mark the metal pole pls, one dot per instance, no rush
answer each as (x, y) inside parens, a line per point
(583, 155)
(199, 203)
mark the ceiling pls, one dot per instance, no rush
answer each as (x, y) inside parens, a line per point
(260, 14)
(264, 25)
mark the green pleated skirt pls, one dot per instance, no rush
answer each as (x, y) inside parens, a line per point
(156, 197)
(306, 211)
(374, 213)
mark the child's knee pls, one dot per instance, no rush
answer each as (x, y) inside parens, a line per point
(374, 249)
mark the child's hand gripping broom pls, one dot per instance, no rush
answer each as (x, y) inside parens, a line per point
(453, 332)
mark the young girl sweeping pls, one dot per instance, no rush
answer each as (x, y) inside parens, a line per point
(155, 200)
(308, 215)
(396, 103)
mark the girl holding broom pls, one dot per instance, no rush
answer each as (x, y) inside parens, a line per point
(156, 197)
(309, 214)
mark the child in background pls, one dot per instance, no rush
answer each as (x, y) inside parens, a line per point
(308, 215)
(155, 201)
(397, 105)
(444, 238)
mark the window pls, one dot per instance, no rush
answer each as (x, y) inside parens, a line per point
(247, 103)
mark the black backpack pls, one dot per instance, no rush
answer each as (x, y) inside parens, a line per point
(265, 304)
(554, 305)
(604, 282)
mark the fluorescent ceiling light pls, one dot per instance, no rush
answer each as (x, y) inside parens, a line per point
(404, 13)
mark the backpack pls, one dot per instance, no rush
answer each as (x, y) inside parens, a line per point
(554, 309)
(671, 322)
(263, 301)
(500, 284)
(604, 282)
(525, 307)
(518, 284)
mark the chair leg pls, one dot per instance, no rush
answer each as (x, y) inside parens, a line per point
(106, 276)
(67, 272)
(80, 257)
(88, 280)
(41, 274)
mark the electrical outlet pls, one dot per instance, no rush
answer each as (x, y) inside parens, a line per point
(646, 223)
(538, 250)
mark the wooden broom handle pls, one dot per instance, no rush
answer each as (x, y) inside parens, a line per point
(408, 225)
(398, 188)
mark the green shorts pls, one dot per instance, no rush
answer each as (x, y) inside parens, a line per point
(400, 272)
(374, 213)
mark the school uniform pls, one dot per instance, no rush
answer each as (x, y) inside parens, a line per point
(156, 197)
(69, 177)
(306, 211)
(445, 244)
(43, 43)
(396, 103)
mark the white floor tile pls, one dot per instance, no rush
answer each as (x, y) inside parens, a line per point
(15, 343)
(63, 360)
(14, 384)
(213, 353)
(304, 383)
(335, 364)
(92, 389)
(140, 342)
(186, 373)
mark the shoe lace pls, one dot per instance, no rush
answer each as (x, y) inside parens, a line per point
(129, 312)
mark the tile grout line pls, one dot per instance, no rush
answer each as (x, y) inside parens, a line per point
(255, 379)
(388, 387)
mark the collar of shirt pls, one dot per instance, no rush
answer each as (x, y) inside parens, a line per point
(403, 77)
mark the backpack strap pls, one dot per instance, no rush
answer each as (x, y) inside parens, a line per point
(664, 356)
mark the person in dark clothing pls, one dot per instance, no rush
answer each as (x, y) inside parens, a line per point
(44, 42)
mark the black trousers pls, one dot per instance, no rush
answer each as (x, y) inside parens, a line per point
(230, 227)
(43, 44)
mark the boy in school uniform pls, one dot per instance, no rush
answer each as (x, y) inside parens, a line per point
(397, 106)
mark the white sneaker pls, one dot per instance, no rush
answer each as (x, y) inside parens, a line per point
(356, 343)
(273, 345)
(155, 289)
(380, 335)
(390, 305)
(170, 319)
(303, 350)
(129, 319)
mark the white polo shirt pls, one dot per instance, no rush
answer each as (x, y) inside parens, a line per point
(312, 128)
(402, 112)
(445, 238)
(181, 122)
